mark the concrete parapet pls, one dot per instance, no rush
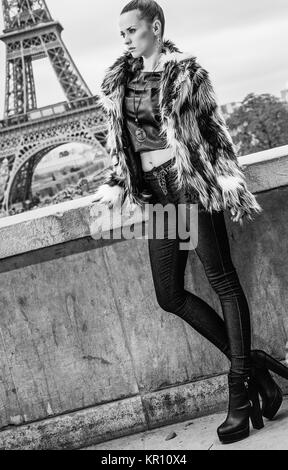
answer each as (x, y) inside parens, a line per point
(85, 346)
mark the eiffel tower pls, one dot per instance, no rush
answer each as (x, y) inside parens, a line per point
(28, 133)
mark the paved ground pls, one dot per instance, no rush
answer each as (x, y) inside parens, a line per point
(200, 433)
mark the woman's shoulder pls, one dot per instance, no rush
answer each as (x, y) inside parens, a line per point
(191, 68)
(189, 61)
(178, 56)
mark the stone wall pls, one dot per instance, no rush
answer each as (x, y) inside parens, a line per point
(87, 354)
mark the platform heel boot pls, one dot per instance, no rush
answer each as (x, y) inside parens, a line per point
(243, 405)
(271, 393)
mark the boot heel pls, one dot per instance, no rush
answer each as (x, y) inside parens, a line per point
(265, 360)
(255, 412)
(268, 389)
(271, 408)
(276, 367)
(256, 418)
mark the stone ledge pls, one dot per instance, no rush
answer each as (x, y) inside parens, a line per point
(72, 431)
(76, 219)
(116, 419)
(266, 170)
(120, 418)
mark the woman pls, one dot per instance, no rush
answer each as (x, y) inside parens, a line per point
(169, 142)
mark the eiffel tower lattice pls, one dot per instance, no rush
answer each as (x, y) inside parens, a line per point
(28, 133)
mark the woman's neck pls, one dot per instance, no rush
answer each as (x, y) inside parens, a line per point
(150, 63)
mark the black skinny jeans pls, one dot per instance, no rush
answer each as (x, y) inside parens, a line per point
(233, 335)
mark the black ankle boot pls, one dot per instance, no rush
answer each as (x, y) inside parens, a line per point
(243, 404)
(270, 392)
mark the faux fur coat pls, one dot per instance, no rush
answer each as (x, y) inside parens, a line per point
(193, 126)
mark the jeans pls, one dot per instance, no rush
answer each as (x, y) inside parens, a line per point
(231, 335)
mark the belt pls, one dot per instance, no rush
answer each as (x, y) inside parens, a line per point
(160, 173)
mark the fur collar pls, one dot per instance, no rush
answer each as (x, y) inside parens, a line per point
(117, 73)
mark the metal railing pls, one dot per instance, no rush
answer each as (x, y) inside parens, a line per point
(48, 111)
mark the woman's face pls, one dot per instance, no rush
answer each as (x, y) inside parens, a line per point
(136, 34)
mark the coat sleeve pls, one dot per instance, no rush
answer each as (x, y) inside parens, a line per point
(112, 189)
(123, 179)
(222, 154)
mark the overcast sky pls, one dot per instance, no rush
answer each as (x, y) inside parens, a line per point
(242, 44)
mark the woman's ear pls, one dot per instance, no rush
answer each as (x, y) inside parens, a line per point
(157, 27)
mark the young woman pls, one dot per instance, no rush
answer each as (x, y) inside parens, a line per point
(168, 142)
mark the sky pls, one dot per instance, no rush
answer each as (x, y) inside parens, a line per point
(243, 44)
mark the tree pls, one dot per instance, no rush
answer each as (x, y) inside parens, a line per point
(260, 123)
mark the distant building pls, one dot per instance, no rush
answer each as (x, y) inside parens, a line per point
(64, 154)
(228, 108)
(284, 95)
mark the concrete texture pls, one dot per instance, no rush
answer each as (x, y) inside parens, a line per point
(118, 418)
(71, 430)
(201, 434)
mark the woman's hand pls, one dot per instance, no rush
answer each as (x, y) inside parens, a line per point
(109, 195)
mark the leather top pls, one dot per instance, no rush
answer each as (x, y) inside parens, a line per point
(148, 112)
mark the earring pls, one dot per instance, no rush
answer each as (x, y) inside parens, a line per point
(159, 40)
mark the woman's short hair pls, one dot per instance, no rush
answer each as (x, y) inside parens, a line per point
(149, 10)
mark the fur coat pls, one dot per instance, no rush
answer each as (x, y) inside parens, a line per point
(193, 126)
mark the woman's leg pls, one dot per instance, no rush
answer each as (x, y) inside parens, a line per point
(168, 264)
(213, 250)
